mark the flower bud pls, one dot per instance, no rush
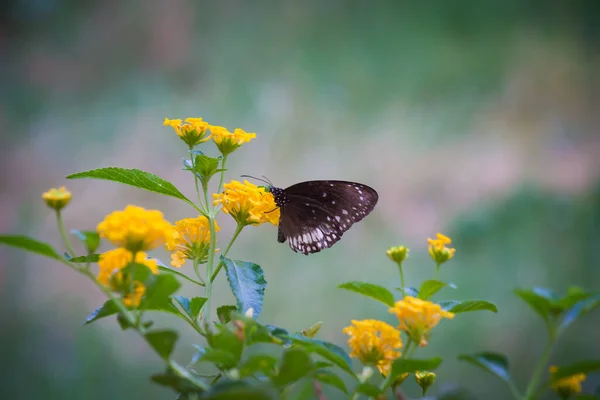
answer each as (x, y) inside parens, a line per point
(397, 254)
(57, 198)
(424, 379)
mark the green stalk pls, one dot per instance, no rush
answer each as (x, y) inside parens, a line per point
(211, 256)
(238, 229)
(437, 270)
(63, 233)
(196, 182)
(539, 368)
(222, 173)
(402, 279)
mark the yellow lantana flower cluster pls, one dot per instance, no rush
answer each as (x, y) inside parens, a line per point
(134, 230)
(226, 141)
(57, 198)
(417, 317)
(193, 132)
(374, 343)
(247, 203)
(191, 241)
(567, 387)
(438, 250)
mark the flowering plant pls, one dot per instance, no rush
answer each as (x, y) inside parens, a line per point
(249, 359)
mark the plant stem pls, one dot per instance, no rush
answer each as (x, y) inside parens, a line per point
(222, 173)
(402, 279)
(63, 233)
(437, 271)
(211, 257)
(238, 229)
(196, 182)
(539, 368)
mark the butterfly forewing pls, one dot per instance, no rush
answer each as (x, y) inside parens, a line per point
(315, 214)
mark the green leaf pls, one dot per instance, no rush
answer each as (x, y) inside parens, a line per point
(29, 244)
(108, 308)
(158, 294)
(581, 367)
(176, 382)
(328, 351)
(447, 305)
(204, 166)
(410, 365)
(90, 239)
(236, 390)
(247, 282)
(473, 305)
(376, 292)
(295, 364)
(580, 308)
(162, 341)
(409, 291)
(90, 258)
(494, 363)
(262, 363)
(224, 313)
(587, 397)
(227, 341)
(191, 306)
(329, 378)
(368, 389)
(163, 268)
(136, 178)
(431, 287)
(222, 358)
(540, 304)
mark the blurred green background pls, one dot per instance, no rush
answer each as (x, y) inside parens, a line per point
(478, 119)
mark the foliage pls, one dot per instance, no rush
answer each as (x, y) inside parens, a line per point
(248, 358)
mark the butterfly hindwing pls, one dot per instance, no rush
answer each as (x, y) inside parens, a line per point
(315, 214)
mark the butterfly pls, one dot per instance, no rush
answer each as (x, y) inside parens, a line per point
(315, 214)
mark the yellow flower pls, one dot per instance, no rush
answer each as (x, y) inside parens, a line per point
(566, 387)
(417, 317)
(191, 241)
(397, 254)
(247, 203)
(133, 299)
(228, 142)
(136, 229)
(113, 261)
(192, 132)
(438, 250)
(57, 198)
(374, 343)
(424, 379)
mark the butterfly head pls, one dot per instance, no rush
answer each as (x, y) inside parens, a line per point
(279, 195)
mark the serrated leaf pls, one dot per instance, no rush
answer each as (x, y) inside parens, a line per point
(580, 367)
(540, 304)
(262, 363)
(371, 290)
(473, 305)
(190, 306)
(227, 341)
(221, 358)
(295, 364)
(224, 313)
(494, 363)
(134, 177)
(29, 244)
(431, 287)
(330, 378)
(247, 282)
(168, 270)
(90, 239)
(410, 365)
(162, 341)
(329, 351)
(90, 258)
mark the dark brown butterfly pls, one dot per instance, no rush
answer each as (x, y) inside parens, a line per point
(315, 214)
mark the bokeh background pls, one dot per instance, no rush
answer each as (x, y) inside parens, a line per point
(478, 119)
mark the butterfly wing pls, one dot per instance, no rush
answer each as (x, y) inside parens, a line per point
(317, 213)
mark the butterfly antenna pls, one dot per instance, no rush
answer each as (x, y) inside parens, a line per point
(270, 183)
(258, 179)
